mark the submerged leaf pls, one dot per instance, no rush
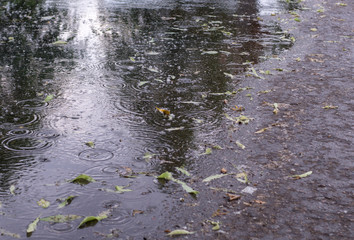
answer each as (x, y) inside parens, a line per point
(43, 203)
(166, 176)
(330, 107)
(142, 83)
(179, 232)
(32, 226)
(148, 156)
(185, 187)
(49, 98)
(306, 174)
(61, 218)
(83, 179)
(213, 177)
(67, 201)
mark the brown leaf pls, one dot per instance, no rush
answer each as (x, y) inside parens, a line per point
(233, 197)
(223, 170)
(137, 212)
(260, 202)
(219, 213)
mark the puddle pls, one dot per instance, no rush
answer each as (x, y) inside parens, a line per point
(107, 66)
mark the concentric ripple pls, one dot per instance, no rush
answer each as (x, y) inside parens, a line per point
(32, 104)
(26, 143)
(96, 155)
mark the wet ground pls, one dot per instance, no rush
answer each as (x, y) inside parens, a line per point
(88, 105)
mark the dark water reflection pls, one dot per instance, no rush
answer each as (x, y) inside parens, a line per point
(121, 60)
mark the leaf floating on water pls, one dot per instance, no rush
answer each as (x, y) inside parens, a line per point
(218, 147)
(49, 98)
(67, 201)
(61, 218)
(3, 232)
(313, 29)
(255, 73)
(166, 176)
(164, 111)
(83, 179)
(59, 42)
(90, 144)
(184, 171)
(12, 189)
(132, 59)
(213, 177)
(207, 151)
(198, 120)
(90, 221)
(306, 174)
(216, 225)
(179, 232)
(330, 107)
(240, 145)
(174, 129)
(32, 226)
(242, 177)
(151, 53)
(122, 189)
(210, 52)
(43, 203)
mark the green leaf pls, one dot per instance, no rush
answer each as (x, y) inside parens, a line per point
(229, 75)
(330, 107)
(148, 156)
(297, 19)
(179, 232)
(306, 174)
(90, 144)
(32, 226)
(59, 42)
(255, 73)
(216, 225)
(92, 220)
(49, 98)
(43, 203)
(121, 189)
(166, 176)
(12, 189)
(155, 70)
(207, 151)
(218, 147)
(82, 179)
(185, 187)
(213, 177)
(184, 171)
(61, 218)
(132, 59)
(67, 201)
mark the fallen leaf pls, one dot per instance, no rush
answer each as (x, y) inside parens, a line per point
(90, 144)
(92, 220)
(223, 170)
(137, 212)
(179, 232)
(213, 177)
(3, 232)
(249, 190)
(306, 174)
(330, 107)
(262, 130)
(218, 213)
(43, 203)
(67, 201)
(313, 29)
(83, 179)
(59, 42)
(121, 189)
(155, 70)
(132, 59)
(259, 202)
(207, 151)
(49, 98)
(185, 187)
(217, 147)
(61, 218)
(276, 109)
(166, 176)
(240, 145)
(184, 171)
(12, 189)
(216, 225)
(233, 197)
(164, 111)
(210, 52)
(148, 156)
(32, 226)
(142, 83)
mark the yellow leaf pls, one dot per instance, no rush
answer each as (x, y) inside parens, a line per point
(164, 111)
